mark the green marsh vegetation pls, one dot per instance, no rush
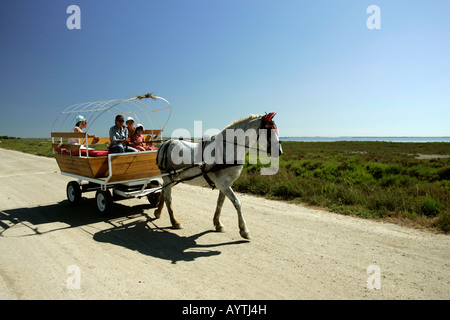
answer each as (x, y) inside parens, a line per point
(39, 147)
(400, 182)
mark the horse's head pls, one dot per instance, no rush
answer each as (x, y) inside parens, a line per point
(272, 133)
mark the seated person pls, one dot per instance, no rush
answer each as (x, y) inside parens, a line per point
(80, 125)
(118, 135)
(138, 139)
(130, 126)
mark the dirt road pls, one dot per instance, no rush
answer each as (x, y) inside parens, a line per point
(49, 250)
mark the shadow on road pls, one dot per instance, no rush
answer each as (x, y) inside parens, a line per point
(159, 242)
(131, 228)
(72, 217)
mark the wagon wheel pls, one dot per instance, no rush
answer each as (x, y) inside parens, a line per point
(73, 192)
(104, 201)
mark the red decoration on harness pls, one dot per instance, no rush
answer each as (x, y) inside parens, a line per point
(267, 119)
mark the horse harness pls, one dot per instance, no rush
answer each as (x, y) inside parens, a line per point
(266, 123)
(201, 166)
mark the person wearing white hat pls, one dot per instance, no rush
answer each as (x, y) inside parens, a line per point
(138, 139)
(81, 123)
(130, 126)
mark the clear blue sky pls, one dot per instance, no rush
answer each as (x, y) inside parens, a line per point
(315, 63)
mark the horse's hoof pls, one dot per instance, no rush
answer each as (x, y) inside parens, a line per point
(177, 225)
(220, 229)
(245, 234)
(157, 214)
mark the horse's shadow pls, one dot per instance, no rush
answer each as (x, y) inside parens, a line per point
(159, 242)
(128, 229)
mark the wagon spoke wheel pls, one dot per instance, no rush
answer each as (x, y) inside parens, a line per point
(73, 192)
(104, 201)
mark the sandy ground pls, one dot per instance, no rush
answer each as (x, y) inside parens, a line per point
(49, 250)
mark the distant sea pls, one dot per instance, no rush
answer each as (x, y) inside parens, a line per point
(386, 139)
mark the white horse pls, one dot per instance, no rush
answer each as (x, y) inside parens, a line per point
(217, 162)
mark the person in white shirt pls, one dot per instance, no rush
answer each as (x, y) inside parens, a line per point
(81, 123)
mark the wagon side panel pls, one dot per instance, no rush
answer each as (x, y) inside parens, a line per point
(93, 167)
(75, 165)
(99, 166)
(134, 166)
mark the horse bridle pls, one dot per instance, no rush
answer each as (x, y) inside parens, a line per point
(266, 123)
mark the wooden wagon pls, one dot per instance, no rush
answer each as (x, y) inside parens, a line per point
(113, 176)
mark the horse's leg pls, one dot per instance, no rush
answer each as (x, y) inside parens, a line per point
(237, 204)
(217, 223)
(160, 205)
(168, 199)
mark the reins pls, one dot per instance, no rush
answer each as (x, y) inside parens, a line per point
(201, 166)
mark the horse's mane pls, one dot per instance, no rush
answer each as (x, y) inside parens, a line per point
(252, 116)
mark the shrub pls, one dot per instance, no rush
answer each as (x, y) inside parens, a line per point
(443, 222)
(388, 181)
(287, 189)
(444, 173)
(253, 183)
(375, 169)
(430, 206)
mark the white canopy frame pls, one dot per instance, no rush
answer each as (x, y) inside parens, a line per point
(143, 108)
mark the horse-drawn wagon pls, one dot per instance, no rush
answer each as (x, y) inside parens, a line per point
(136, 174)
(112, 176)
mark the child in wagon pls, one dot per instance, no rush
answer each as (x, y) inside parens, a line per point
(130, 126)
(138, 139)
